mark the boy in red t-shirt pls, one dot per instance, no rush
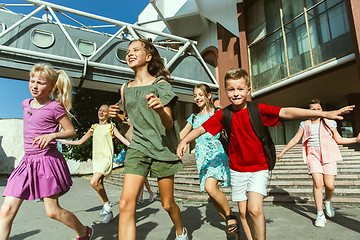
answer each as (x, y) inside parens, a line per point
(248, 164)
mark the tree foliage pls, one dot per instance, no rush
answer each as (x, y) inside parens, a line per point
(86, 103)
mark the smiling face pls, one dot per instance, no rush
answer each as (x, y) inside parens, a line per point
(103, 113)
(237, 91)
(136, 55)
(200, 98)
(39, 87)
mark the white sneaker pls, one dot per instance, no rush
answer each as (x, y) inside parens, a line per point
(108, 218)
(140, 200)
(320, 220)
(151, 197)
(329, 210)
(183, 236)
(106, 209)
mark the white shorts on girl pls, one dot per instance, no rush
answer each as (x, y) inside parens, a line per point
(244, 182)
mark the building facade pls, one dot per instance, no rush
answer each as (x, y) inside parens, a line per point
(295, 51)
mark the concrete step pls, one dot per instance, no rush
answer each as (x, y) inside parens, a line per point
(289, 181)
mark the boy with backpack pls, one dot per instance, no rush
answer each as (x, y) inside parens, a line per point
(248, 163)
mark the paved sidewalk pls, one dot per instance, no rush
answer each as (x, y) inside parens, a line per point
(293, 222)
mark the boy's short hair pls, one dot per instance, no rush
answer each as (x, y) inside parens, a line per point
(237, 73)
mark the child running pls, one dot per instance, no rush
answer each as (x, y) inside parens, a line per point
(149, 101)
(43, 171)
(321, 152)
(211, 160)
(248, 165)
(102, 156)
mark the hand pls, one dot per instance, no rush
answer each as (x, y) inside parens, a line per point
(279, 156)
(114, 110)
(154, 102)
(336, 114)
(358, 138)
(181, 149)
(43, 140)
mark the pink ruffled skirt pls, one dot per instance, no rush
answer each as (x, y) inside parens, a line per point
(39, 175)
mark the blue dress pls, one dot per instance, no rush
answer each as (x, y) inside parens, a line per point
(211, 159)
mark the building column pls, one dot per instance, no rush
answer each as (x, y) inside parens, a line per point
(244, 54)
(228, 57)
(353, 9)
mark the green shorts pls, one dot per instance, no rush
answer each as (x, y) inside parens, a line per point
(139, 163)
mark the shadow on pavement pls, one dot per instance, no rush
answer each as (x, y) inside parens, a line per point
(24, 235)
(342, 219)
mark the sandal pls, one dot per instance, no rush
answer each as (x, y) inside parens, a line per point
(232, 228)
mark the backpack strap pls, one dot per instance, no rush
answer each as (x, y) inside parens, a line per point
(227, 118)
(123, 98)
(262, 133)
(255, 119)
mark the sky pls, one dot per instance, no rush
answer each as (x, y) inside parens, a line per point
(13, 92)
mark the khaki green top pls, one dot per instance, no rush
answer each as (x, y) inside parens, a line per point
(150, 136)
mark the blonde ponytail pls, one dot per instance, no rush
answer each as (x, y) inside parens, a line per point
(62, 91)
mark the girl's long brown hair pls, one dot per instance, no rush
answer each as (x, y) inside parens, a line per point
(156, 66)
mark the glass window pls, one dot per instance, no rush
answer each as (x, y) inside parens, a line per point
(329, 31)
(86, 47)
(268, 63)
(310, 3)
(2, 27)
(272, 15)
(121, 54)
(42, 39)
(297, 45)
(291, 9)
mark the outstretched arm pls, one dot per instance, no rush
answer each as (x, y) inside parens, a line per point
(121, 137)
(80, 141)
(194, 134)
(185, 131)
(301, 113)
(340, 140)
(291, 143)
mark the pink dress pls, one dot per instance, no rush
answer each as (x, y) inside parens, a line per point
(41, 172)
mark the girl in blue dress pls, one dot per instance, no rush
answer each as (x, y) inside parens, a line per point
(211, 159)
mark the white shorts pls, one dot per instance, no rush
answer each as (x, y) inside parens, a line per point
(244, 182)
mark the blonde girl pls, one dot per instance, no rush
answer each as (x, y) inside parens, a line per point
(211, 159)
(321, 152)
(103, 154)
(43, 171)
(149, 102)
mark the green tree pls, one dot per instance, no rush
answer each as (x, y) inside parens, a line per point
(86, 103)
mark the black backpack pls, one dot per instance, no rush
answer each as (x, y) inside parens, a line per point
(260, 130)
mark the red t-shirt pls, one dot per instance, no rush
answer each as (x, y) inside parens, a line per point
(246, 153)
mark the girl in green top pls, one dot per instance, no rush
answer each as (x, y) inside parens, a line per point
(148, 102)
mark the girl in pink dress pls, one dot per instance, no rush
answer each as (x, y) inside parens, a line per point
(320, 151)
(43, 171)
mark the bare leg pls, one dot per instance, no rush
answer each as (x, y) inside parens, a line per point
(255, 210)
(318, 183)
(127, 206)
(166, 189)
(147, 185)
(97, 182)
(54, 211)
(246, 220)
(329, 181)
(8, 211)
(218, 198)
